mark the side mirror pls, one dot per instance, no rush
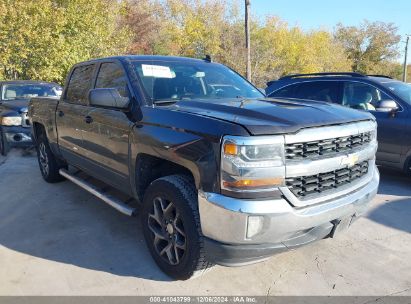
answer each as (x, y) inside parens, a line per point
(109, 98)
(387, 106)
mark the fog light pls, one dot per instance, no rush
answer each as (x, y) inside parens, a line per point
(254, 225)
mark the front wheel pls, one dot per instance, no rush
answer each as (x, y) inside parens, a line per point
(49, 164)
(4, 145)
(171, 227)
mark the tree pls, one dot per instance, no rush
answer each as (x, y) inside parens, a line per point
(192, 27)
(139, 17)
(42, 39)
(279, 50)
(369, 45)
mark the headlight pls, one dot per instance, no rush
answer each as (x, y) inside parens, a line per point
(252, 164)
(11, 121)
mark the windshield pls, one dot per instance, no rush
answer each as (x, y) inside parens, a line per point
(27, 91)
(401, 89)
(174, 81)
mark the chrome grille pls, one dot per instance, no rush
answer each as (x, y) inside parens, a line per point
(308, 186)
(326, 147)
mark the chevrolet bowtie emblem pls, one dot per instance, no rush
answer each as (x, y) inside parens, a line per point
(349, 160)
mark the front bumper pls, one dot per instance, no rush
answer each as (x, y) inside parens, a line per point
(224, 222)
(17, 136)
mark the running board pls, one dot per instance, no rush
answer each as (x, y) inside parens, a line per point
(108, 199)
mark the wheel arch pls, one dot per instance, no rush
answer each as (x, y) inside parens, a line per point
(148, 168)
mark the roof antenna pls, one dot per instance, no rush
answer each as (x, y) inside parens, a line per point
(208, 58)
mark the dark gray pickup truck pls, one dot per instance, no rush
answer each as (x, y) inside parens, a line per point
(220, 174)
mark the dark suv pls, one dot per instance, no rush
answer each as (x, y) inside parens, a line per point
(387, 99)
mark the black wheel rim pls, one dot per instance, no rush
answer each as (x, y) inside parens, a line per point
(43, 159)
(167, 231)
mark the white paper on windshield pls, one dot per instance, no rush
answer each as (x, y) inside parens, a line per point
(158, 71)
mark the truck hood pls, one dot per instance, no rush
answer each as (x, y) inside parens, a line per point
(17, 105)
(273, 116)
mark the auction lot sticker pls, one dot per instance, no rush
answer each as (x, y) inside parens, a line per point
(158, 71)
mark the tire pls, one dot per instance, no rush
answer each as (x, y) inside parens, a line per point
(49, 164)
(4, 146)
(171, 226)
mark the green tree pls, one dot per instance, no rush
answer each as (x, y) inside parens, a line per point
(192, 27)
(42, 39)
(369, 45)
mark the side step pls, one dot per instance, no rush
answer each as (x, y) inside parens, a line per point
(108, 199)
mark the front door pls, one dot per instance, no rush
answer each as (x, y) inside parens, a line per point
(106, 139)
(391, 128)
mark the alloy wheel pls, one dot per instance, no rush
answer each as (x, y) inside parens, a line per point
(44, 161)
(167, 231)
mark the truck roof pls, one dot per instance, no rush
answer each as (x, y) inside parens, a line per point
(145, 58)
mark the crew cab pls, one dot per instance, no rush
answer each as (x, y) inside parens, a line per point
(219, 173)
(14, 99)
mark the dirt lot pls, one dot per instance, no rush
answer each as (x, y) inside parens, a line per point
(60, 240)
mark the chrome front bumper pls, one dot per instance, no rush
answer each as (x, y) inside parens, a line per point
(225, 219)
(17, 135)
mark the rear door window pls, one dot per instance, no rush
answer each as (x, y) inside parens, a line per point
(328, 91)
(80, 84)
(111, 75)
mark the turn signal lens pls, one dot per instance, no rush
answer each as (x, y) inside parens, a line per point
(256, 183)
(230, 149)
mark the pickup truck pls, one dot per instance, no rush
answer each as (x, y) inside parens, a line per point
(221, 174)
(14, 99)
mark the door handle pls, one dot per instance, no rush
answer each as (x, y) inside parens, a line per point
(61, 113)
(88, 119)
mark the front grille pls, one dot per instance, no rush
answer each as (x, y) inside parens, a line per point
(326, 147)
(307, 186)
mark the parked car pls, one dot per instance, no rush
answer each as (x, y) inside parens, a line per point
(14, 98)
(223, 175)
(387, 99)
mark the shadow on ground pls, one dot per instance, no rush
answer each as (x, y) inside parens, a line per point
(63, 223)
(394, 213)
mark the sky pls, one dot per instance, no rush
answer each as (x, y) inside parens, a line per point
(323, 14)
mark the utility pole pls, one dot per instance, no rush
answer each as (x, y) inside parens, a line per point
(404, 76)
(247, 38)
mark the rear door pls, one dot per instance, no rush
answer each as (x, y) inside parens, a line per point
(106, 138)
(391, 128)
(71, 112)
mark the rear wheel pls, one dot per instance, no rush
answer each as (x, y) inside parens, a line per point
(49, 164)
(171, 226)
